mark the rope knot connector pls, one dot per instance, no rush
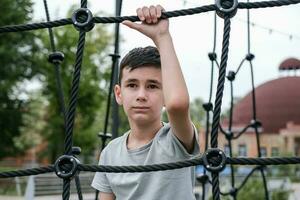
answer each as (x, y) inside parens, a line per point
(255, 123)
(82, 19)
(231, 76)
(226, 8)
(56, 57)
(249, 57)
(66, 166)
(203, 178)
(214, 160)
(212, 56)
(229, 135)
(208, 106)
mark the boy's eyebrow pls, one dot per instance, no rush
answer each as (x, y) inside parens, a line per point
(131, 80)
(154, 81)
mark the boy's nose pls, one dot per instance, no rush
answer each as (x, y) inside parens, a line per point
(142, 96)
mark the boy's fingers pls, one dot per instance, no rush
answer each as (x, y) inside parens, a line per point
(146, 13)
(153, 14)
(159, 10)
(140, 14)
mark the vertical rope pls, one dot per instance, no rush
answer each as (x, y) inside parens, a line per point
(77, 183)
(257, 132)
(215, 186)
(49, 29)
(115, 109)
(83, 3)
(221, 81)
(218, 102)
(66, 189)
(74, 94)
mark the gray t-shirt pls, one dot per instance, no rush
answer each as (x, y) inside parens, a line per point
(162, 185)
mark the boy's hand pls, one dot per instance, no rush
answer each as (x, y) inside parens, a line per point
(151, 25)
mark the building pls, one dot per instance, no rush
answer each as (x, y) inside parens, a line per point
(277, 108)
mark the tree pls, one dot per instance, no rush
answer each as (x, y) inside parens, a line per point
(17, 55)
(197, 111)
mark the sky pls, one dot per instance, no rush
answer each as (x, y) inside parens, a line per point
(270, 38)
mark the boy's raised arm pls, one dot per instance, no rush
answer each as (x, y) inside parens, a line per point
(176, 97)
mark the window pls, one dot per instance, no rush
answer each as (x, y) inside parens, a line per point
(226, 150)
(274, 151)
(242, 150)
(263, 151)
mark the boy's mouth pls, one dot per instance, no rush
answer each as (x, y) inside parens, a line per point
(140, 107)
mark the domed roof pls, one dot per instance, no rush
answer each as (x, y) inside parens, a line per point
(290, 63)
(277, 102)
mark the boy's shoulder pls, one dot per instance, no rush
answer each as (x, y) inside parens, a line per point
(117, 142)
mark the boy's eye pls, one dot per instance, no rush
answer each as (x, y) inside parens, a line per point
(152, 86)
(131, 85)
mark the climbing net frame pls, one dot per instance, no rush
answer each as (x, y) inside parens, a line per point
(213, 159)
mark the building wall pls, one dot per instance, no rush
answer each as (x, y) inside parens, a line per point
(248, 141)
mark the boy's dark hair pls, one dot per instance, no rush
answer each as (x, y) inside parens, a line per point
(140, 57)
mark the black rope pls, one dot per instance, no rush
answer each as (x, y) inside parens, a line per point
(177, 13)
(27, 172)
(49, 29)
(66, 189)
(220, 87)
(155, 167)
(187, 163)
(78, 187)
(74, 94)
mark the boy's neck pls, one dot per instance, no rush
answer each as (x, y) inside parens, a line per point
(141, 135)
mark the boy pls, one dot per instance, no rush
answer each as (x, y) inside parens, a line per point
(149, 79)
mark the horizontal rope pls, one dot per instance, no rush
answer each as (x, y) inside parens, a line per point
(155, 167)
(27, 172)
(169, 14)
(263, 161)
(187, 163)
(140, 168)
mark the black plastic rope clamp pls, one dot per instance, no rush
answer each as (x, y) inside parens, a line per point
(226, 8)
(212, 56)
(66, 166)
(229, 135)
(250, 57)
(231, 76)
(233, 192)
(202, 178)
(82, 19)
(56, 57)
(105, 136)
(76, 150)
(220, 160)
(207, 106)
(255, 123)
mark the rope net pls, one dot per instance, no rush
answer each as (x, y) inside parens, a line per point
(213, 159)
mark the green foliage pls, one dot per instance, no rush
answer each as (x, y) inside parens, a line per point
(280, 194)
(197, 113)
(253, 189)
(17, 55)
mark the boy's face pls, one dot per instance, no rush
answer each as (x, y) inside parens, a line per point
(141, 94)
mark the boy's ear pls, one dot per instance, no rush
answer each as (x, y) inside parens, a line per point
(118, 95)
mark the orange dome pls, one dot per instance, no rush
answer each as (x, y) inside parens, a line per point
(277, 102)
(289, 64)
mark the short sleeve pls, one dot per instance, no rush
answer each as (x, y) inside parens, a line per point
(100, 181)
